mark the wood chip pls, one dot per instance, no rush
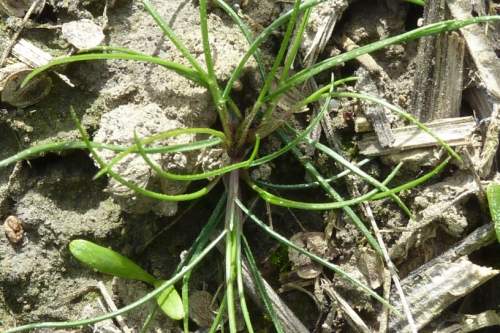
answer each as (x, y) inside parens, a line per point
(33, 56)
(438, 84)
(480, 47)
(455, 131)
(434, 286)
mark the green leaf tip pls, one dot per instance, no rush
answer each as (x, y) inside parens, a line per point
(493, 194)
(108, 261)
(170, 302)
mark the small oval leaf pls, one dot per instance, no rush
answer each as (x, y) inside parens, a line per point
(170, 302)
(493, 194)
(108, 261)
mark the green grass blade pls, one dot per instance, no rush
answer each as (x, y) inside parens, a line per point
(56, 147)
(402, 114)
(333, 267)
(205, 41)
(246, 32)
(283, 202)
(309, 167)
(196, 249)
(370, 196)
(178, 68)
(241, 287)
(199, 176)
(427, 30)
(340, 159)
(174, 39)
(259, 283)
(256, 108)
(233, 222)
(290, 58)
(259, 40)
(295, 46)
(320, 93)
(493, 194)
(413, 183)
(220, 315)
(350, 166)
(305, 186)
(157, 137)
(213, 85)
(177, 277)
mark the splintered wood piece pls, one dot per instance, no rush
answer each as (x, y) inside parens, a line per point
(434, 11)
(333, 10)
(479, 46)
(30, 54)
(33, 56)
(491, 142)
(435, 285)
(438, 84)
(454, 131)
(448, 77)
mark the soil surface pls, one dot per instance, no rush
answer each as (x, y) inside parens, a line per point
(55, 199)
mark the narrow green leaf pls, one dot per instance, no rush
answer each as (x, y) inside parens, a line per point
(198, 176)
(254, 47)
(174, 39)
(158, 137)
(56, 147)
(246, 32)
(259, 283)
(304, 186)
(427, 30)
(493, 194)
(170, 302)
(402, 114)
(108, 261)
(342, 274)
(178, 68)
(416, 2)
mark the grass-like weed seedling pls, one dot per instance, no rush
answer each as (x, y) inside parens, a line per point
(240, 137)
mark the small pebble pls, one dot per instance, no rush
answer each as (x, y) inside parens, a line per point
(13, 228)
(82, 34)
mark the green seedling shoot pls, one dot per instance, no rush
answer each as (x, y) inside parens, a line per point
(493, 194)
(110, 262)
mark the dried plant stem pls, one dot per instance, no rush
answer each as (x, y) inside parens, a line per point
(392, 268)
(16, 35)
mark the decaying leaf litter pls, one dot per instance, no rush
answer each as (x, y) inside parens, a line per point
(56, 200)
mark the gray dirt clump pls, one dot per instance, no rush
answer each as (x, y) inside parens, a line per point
(117, 127)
